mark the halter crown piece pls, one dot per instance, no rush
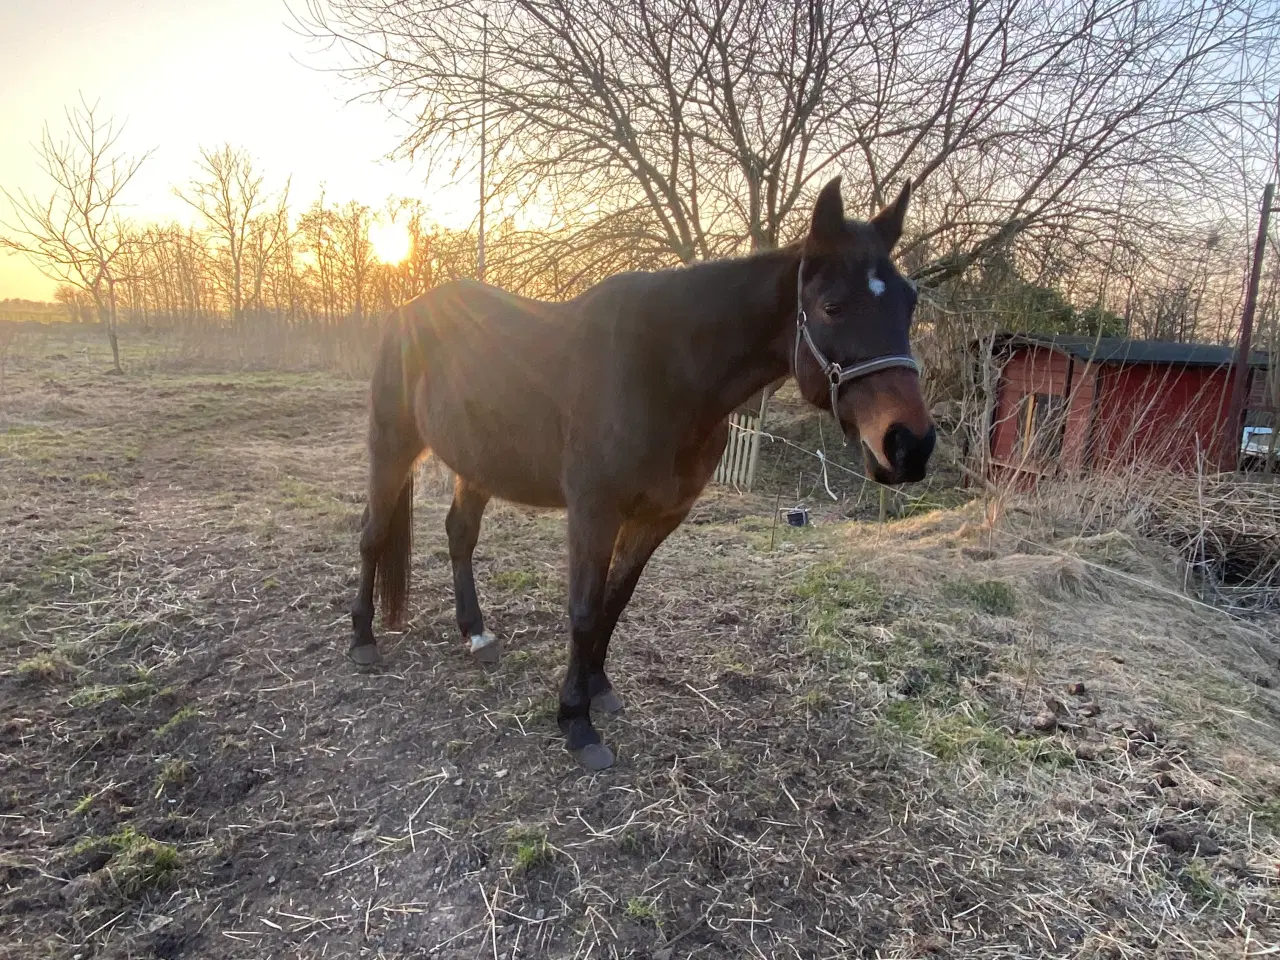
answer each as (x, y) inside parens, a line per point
(837, 375)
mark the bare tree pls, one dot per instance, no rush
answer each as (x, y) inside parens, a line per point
(77, 303)
(350, 226)
(268, 237)
(76, 236)
(229, 195)
(681, 129)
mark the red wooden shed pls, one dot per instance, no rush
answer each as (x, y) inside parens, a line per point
(1085, 403)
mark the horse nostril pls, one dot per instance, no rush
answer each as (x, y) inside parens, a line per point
(908, 453)
(897, 441)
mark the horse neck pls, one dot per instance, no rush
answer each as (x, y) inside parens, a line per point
(750, 329)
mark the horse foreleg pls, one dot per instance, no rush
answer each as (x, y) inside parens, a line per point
(591, 538)
(635, 545)
(463, 527)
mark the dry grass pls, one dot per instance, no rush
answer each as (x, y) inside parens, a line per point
(1228, 529)
(919, 739)
(1221, 531)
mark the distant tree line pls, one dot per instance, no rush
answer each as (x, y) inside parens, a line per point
(1078, 166)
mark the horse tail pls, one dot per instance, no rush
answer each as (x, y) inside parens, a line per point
(394, 446)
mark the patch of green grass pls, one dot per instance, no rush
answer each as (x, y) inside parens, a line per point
(833, 585)
(97, 478)
(836, 600)
(964, 730)
(528, 846)
(137, 862)
(1267, 813)
(516, 581)
(71, 560)
(178, 719)
(629, 841)
(84, 804)
(905, 716)
(642, 910)
(50, 666)
(142, 687)
(1197, 882)
(32, 443)
(85, 844)
(954, 736)
(994, 597)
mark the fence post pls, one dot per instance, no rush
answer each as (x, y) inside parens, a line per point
(755, 439)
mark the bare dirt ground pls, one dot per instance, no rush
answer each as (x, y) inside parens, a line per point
(850, 740)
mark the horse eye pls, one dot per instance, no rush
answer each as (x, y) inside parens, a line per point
(831, 308)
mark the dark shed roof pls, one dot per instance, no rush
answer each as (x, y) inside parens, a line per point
(1118, 350)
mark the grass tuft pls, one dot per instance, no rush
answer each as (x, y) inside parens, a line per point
(642, 910)
(178, 719)
(994, 597)
(528, 846)
(50, 666)
(137, 863)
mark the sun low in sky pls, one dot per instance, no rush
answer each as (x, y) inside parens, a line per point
(178, 76)
(391, 241)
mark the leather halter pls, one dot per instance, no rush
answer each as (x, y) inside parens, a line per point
(836, 374)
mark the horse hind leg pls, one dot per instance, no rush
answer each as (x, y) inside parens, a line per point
(463, 528)
(385, 541)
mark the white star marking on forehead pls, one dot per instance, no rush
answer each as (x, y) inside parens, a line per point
(874, 284)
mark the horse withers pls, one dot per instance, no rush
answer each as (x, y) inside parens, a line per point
(615, 406)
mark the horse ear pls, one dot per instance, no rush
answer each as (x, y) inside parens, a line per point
(828, 213)
(888, 222)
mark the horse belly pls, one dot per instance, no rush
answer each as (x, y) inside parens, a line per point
(514, 457)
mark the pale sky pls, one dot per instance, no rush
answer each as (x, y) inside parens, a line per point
(181, 74)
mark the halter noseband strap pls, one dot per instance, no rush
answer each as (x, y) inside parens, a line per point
(836, 374)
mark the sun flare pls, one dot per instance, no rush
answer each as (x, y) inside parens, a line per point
(391, 243)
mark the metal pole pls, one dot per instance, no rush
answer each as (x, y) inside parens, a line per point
(484, 93)
(1240, 374)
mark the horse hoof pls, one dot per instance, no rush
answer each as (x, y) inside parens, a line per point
(365, 655)
(485, 648)
(595, 756)
(607, 702)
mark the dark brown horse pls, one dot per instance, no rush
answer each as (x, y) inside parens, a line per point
(614, 405)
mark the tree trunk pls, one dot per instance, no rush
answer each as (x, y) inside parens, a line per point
(111, 329)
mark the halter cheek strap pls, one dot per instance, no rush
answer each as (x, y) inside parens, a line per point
(836, 374)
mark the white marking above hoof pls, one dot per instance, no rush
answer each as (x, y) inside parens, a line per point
(485, 648)
(481, 640)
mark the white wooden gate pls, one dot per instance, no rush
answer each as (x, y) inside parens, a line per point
(737, 467)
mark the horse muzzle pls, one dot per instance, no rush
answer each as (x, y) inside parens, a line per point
(906, 455)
